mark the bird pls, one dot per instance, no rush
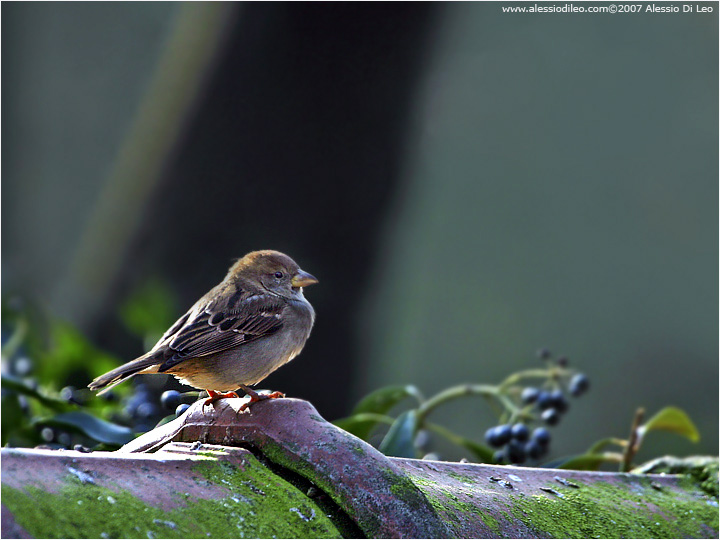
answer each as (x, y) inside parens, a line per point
(254, 321)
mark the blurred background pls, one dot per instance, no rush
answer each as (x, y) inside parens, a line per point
(468, 185)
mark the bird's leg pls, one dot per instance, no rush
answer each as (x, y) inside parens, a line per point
(255, 397)
(213, 396)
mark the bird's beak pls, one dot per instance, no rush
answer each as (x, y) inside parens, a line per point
(303, 279)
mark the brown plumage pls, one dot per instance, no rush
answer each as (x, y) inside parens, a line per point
(253, 322)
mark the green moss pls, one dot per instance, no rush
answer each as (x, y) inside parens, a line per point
(506, 516)
(400, 486)
(707, 477)
(422, 481)
(489, 520)
(403, 488)
(701, 469)
(462, 477)
(594, 511)
(451, 507)
(259, 504)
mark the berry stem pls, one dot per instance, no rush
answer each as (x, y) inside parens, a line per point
(373, 417)
(463, 390)
(444, 432)
(518, 376)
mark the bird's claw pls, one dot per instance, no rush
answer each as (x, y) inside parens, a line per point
(215, 396)
(255, 397)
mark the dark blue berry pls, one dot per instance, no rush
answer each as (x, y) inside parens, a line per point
(498, 435)
(544, 400)
(490, 436)
(516, 452)
(550, 416)
(24, 404)
(520, 432)
(170, 399)
(109, 396)
(559, 401)
(563, 361)
(47, 434)
(543, 354)
(579, 384)
(499, 456)
(504, 433)
(535, 450)
(146, 410)
(136, 400)
(541, 436)
(64, 439)
(23, 366)
(66, 394)
(181, 409)
(529, 395)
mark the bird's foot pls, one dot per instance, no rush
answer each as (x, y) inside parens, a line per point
(255, 397)
(213, 396)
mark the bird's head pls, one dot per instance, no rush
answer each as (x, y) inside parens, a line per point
(275, 272)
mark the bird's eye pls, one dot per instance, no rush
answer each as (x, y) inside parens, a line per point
(279, 275)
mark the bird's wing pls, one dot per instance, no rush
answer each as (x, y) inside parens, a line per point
(215, 326)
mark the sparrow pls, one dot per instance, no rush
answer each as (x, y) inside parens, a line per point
(256, 320)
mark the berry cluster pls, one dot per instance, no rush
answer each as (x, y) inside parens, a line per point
(546, 405)
(141, 407)
(172, 400)
(135, 405)
(519, 444)
(22, 368)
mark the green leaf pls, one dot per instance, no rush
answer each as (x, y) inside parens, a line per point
(166, 420)
(584, 462)
(481, 452)
(382, 400)
(671, 419)
(362, 424)
(399, 440)
(18, 385)
(602, 443)
(15, 426)
(93, 427)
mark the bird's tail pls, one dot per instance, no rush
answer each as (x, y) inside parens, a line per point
(116, 376)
